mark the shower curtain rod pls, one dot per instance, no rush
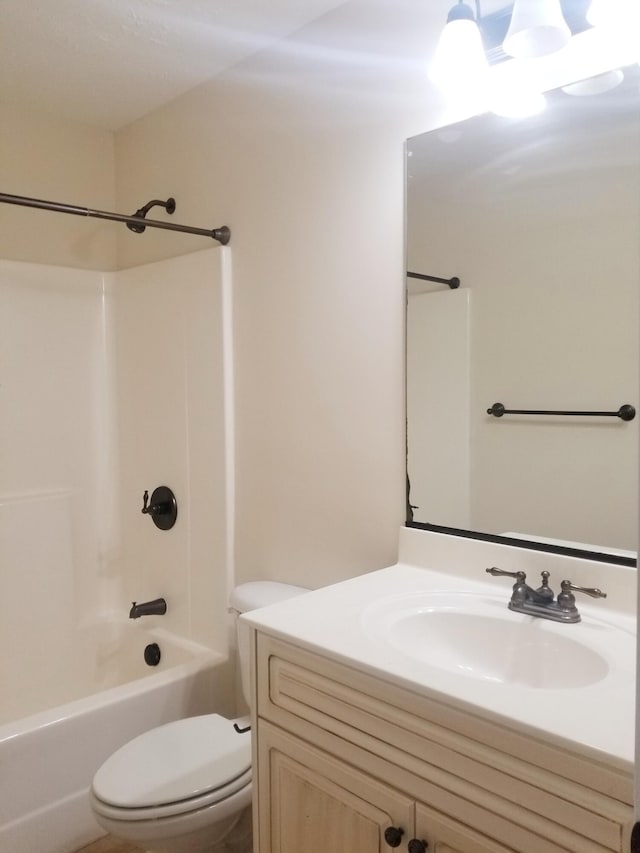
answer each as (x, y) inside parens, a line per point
(452, 283)
(222, 235)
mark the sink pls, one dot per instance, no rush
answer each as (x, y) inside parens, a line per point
(450, 637)
(476, 636)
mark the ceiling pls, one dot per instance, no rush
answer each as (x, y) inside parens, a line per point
(108, 62)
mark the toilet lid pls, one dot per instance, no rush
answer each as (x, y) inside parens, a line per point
(174, 762)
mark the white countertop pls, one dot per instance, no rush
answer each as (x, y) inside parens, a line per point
(597, 720)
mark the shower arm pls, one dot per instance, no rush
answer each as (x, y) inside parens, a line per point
(222, 234)
(141, 213)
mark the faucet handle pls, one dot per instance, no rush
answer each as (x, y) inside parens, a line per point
(162, 507)
(519, 576)
(568, 588)
(544, 592)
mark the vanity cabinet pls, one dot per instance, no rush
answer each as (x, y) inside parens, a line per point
(318, 804)
(343, 757)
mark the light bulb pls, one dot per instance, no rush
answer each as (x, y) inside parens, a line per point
(618, 23)
(613, 13)
(460, 62)
(514, 92)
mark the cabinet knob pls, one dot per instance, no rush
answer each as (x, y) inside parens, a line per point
(393, 836)
(417, 846)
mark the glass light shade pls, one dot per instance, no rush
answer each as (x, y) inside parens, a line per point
(537, 28)
(460, 62)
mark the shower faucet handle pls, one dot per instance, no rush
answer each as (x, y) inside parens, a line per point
(157, 507)
(162, 507)
(146, 509)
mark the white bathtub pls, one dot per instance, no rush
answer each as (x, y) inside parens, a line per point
(48, 758)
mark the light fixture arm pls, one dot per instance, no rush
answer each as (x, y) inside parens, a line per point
(462, 12)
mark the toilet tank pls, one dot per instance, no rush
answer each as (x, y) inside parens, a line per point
(251, 596)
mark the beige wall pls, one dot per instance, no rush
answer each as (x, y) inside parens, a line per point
(47, 158)
(301, 153)
(52, 422)
(168, 343)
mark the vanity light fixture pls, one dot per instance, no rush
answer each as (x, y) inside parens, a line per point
(535, 28)
(536, 38)
(469, 43)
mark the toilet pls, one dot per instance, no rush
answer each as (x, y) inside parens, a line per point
(185, 787)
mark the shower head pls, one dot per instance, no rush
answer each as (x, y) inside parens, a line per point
(169, 205)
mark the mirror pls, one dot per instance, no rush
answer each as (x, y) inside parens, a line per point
(539, 218)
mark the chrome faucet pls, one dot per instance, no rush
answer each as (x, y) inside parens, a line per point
(157, 607)
(542, 602)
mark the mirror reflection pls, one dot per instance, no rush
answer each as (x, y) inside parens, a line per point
(540, 220)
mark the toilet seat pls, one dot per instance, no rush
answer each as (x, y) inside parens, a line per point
(174, 769)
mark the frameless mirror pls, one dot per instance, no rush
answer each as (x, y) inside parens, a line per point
(539, 218)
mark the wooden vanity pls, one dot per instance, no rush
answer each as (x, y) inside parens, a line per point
(348, 762)
(409, 708)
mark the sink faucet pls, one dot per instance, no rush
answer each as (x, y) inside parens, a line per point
(542, 602)
(157, 607)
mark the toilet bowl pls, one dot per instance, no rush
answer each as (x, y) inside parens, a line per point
(185, 787)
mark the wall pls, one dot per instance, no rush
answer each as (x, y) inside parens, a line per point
(109, 384)
(300, 152)
(47, 158)
(169, 328)
(52, 474)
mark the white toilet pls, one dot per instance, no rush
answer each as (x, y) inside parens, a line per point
(183, 787)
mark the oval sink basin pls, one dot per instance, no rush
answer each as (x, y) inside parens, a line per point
(480, 638)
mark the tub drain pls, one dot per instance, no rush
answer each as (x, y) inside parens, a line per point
(152, 654)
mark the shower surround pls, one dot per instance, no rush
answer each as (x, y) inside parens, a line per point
(110, 384)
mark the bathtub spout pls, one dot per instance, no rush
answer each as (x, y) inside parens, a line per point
(157, 607)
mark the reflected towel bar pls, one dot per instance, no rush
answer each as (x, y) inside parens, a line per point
(625, 412)
(453, 283)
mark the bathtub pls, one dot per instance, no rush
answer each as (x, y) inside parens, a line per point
(109, 695)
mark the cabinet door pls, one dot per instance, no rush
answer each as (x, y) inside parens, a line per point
(445, 835)
(310, 802)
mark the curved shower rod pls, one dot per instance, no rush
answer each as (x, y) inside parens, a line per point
(138, 222)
